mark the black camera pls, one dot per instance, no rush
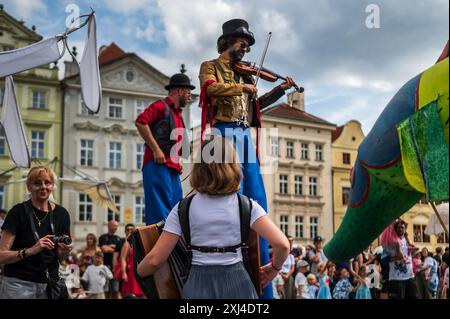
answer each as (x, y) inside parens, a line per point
(62, 239)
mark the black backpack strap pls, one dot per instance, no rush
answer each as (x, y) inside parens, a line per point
(245, 212)
(183, 216)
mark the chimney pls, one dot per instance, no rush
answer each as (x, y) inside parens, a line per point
(297, 100)
(71, 68)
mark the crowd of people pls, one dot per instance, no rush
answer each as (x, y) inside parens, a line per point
(379, 273)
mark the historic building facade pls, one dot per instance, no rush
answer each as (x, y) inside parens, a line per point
(345, 143)
(107, 146)
(39, 97)
(299, 187)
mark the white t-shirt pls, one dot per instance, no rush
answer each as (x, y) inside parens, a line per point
(429, 261)
(315, 264)
(277, 281)
(399, 270)
(96, 277)
(288, 263)
(300, 280)
(214, 222)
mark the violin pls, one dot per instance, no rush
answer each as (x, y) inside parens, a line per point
(249, 68)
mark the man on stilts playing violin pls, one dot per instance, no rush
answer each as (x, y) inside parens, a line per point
(229, 103)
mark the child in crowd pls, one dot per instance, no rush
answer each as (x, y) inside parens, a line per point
(96, 276)
(362, 290)
(312, 286)
(324, 281)
(343, 287)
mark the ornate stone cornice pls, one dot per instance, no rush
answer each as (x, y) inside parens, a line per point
(87, 126)
(134, 132)
(116, 128)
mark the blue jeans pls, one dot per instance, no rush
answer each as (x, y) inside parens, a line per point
(162, 189)
(252, 183)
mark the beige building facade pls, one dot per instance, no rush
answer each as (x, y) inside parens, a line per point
(299, 188)
(345, 143)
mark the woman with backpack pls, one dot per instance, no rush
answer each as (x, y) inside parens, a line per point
(214, 216)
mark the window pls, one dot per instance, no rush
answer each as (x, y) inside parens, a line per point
(345, 195)
(130, 76)
(85, 208)
(419, 234)
(304, 150)
(284, 224)
(139, 155)
(38, 101)
(2, 142)
(298, 182)
(314, 226)
(299, 226)
(441, 238)
(2, 95)
(115, 108)
(139, 210)
(87, 153)
(274, 147)
(140, 106)
(283, 184)
(313, 186)
(346, 158)
(319, 152)
(111, 215)
(37, 144)
(2, 196)
(115, 155)
(290, 149)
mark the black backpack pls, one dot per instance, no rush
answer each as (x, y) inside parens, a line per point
(245, 209)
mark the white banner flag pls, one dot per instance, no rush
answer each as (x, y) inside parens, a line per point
(34, 55)
(91, 88)
(13, 127)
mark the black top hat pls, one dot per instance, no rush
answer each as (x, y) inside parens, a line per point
(179, 80)
(237, 27)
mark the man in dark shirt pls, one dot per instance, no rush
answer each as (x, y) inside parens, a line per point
(110, 245)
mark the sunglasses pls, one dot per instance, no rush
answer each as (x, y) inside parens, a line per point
(245, 46)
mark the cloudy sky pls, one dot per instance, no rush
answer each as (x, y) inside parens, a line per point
(349, 71)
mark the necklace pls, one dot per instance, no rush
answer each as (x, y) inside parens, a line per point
(39, 220)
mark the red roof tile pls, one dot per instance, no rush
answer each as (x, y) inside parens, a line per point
(286, 111)
(110, 53)
(336, 133)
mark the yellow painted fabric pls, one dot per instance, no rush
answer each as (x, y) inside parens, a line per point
(433, 86)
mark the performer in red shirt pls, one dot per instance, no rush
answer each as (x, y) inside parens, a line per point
(161, 168)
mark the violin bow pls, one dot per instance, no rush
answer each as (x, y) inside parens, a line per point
(261, 62)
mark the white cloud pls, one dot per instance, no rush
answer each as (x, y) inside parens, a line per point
(149, 34)
(25, 9)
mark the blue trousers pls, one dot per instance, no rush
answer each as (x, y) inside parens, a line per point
(252, 183)
(162, 189)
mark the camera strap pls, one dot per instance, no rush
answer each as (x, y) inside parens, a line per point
(28, 209)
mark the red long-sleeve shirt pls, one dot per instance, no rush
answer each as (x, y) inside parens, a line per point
(151, 115)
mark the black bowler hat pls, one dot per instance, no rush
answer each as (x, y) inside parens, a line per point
(237, 27)
(179, 80)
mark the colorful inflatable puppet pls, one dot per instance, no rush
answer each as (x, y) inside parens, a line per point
(404, 157)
